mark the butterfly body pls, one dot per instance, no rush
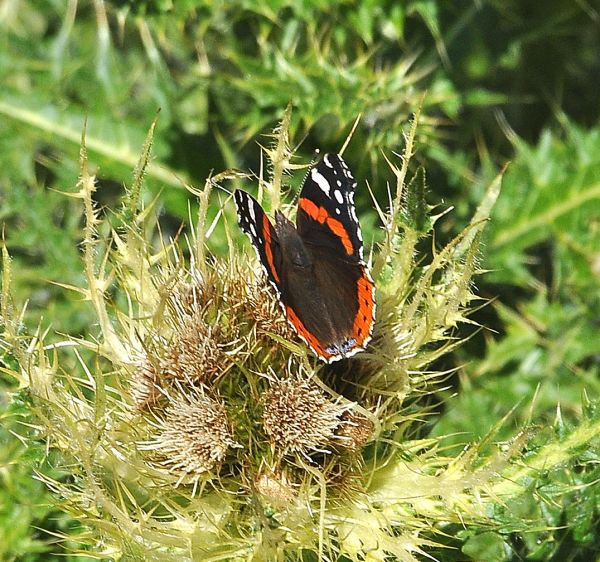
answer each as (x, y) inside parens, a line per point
(316, 266)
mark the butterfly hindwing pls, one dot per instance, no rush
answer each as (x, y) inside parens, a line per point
(341, 322)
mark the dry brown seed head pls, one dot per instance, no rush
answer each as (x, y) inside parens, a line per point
(145, 384)
(354, 430)
(195, 434)
(194, 355)
(266, 312)
(299, 417)
(275, 486)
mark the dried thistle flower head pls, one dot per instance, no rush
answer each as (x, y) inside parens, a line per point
(300, 417)
(191, 293)
(194, 354)
(145, 384)
(192, 436)
(354, 431)
(275, 486)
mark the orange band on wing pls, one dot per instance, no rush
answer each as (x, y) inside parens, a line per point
(304, 333)
(321, 215)
(269, 253)
(364, 316)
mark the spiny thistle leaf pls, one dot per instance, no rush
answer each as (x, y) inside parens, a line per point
(416, 210)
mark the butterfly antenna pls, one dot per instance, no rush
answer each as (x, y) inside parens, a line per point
(224, 189)
(350, 134)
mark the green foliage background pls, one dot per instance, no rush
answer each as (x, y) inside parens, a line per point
(498, 81)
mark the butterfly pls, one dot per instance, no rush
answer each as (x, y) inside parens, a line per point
(316, 266)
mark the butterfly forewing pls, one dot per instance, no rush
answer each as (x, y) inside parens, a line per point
(326, 213)
(255, 223)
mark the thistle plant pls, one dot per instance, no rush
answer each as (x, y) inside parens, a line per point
(194, 424)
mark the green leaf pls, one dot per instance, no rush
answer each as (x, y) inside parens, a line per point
(488, 546)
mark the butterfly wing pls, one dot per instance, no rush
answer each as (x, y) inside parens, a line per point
(329, 227)
(334, 315)
(255, 223)
(326, 213)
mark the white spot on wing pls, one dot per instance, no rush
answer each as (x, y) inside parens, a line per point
(338, 196)
(251, 210)
(327, 162)
(320, 180)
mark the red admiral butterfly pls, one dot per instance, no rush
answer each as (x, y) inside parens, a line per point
(317, 267)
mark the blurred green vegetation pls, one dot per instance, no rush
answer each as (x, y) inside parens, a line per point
(497, 80)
